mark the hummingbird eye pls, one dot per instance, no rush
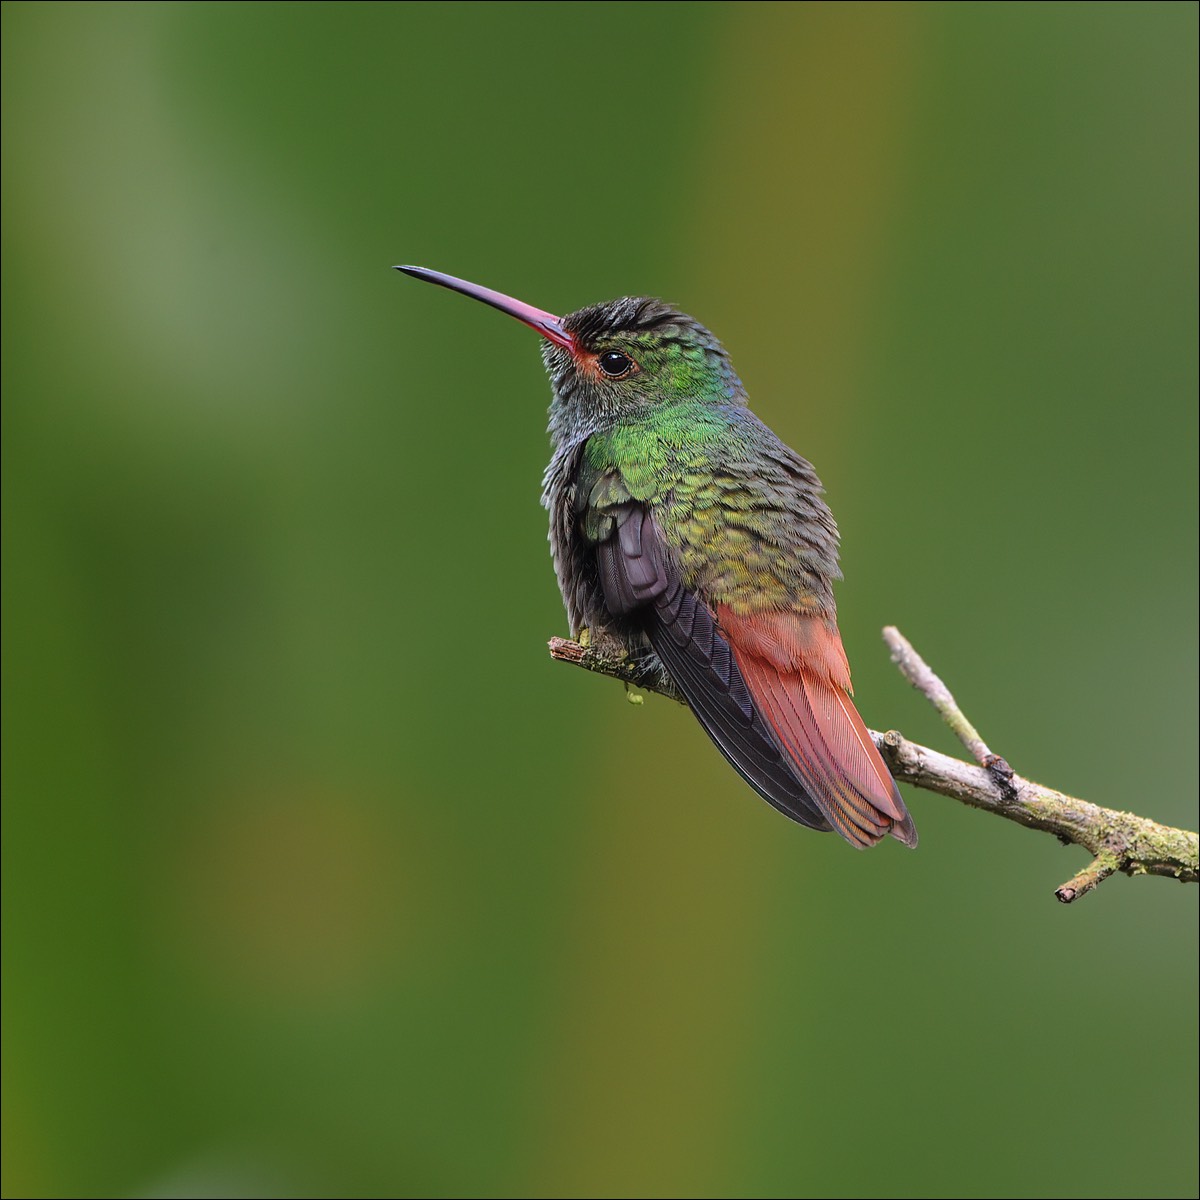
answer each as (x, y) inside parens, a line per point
(616, 365)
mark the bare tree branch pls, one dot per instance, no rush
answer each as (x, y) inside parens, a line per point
(1117, 841)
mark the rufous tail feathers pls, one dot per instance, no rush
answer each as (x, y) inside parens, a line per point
(796, 671)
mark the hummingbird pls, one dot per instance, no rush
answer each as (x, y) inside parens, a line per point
(688, 536)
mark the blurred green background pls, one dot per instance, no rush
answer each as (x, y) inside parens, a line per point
(319, 877)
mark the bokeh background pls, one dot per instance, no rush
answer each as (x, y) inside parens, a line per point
(319, 877)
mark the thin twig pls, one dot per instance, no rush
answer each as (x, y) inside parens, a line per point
(914, 668)
(1117, 841)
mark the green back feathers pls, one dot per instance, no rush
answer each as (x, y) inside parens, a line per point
(741, 511)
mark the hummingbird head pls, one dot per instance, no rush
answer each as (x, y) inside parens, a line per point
(630, 355)
(614, 362)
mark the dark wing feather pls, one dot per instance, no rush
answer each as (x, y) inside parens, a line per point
(639, 582)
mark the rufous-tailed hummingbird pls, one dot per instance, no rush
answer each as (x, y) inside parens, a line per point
(685, 533)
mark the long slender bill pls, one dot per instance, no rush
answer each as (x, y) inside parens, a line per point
(548, 325)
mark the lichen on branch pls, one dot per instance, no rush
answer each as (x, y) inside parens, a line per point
(1117, 841)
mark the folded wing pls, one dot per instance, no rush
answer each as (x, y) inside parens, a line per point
(768, 690)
